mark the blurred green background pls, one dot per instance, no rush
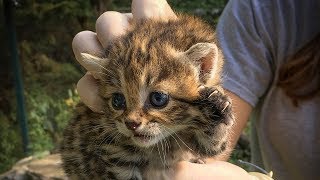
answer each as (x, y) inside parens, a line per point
(45, 29)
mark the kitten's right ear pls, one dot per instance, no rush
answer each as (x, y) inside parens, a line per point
(93, 64)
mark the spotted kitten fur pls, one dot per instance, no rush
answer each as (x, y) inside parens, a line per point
(161, 84)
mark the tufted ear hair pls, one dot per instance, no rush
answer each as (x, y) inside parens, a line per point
(93, 64)
(208, 61)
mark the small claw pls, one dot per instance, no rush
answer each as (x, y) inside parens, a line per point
(226, 105)
(200, 161)
(201, 87)
(214, 92)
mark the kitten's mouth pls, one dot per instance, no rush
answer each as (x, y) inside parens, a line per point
(143, 136)
(144, 140)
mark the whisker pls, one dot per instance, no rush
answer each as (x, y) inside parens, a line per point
(109, 75)
(94, 62)
(160, 155)
(174, 133)
(166, 145)
(173, 138)
(105, 139)
(163, 147)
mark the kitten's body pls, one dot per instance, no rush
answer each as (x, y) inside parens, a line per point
(152, 57)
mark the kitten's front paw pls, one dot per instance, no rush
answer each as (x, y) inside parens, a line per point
(216, 106)
(213, 127)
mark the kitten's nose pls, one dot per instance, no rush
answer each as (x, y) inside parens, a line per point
(132, 125)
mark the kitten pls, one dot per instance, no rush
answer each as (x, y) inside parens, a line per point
(161, 84)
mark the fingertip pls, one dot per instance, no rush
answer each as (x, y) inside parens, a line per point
(128, 15)
(111, 24)
(79, 36)
(155, 9)
(88, 91)
(86, 42)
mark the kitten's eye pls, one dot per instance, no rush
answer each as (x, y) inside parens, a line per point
(158, 99)
(118, 101)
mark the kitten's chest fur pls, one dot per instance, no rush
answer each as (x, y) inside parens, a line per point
(140, 139)
(88, 154)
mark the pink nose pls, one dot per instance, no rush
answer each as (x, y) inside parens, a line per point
(132, 125)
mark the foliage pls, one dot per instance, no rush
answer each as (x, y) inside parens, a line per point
(209, 10)
(50, 99)
(47, 116)
(49, 74)
(10, 141)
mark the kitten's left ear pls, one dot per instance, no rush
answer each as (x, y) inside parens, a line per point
(207, 60)
(94, 64)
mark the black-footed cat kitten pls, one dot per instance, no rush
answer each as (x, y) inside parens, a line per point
(161, 84)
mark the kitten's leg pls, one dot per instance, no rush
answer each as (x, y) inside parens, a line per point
(212, 133)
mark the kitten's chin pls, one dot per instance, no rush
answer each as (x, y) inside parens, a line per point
(146, 141)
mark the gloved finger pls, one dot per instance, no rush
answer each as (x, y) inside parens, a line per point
(86, 42)
(110, 25)
(88, 89)
(155, 9)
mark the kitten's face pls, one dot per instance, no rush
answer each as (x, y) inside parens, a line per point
(145, 98)
(151, 99)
